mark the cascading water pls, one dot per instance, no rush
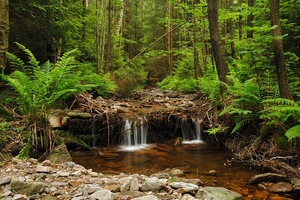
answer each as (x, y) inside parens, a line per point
(134, 134)
(191, 131)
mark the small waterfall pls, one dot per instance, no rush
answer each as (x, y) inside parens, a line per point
(134, 134)
(191, 131)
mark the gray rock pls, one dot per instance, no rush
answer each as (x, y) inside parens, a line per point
(46, 163)
(268, 177)
(183, 185)
(20, 197)
(42, 169)
(32, 161)
(151, 184)
(148, 197)
(130, 195)
(217, 193)
(5, 180)
(280, 187)
(59, 184)
(27, 188)
(63, 174)
(89, 188)
(60, 154)
(102, 194)
(134, 186)
(125, 186)
(188, 197)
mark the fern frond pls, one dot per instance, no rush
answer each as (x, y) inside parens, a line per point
(293, 132)
(280, 101)
(14, 60)
(238, 126)
(32, 60)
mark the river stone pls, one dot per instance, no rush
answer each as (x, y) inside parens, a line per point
(20, 197)
(102, 194)
(130, 195)
(5, 180)
(151, 184)
(42, 169)
(268, 177)
(27, 188)
(280, 187)
(88, 188)
(183, 185)
(125, 186)
(63, 174)
(148, 197)
(217, 193)
(188, 197)
(60, 154)
(134, 186)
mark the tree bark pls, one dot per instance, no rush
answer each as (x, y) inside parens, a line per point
(283, 82)
(109, 36)
(233, 53)
(170, 38)
(250, 19)
(4, 30)
(218, 48)
(197, 68)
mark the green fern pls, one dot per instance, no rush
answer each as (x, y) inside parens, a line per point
(293, 132)
(245, 102)
(41, 87)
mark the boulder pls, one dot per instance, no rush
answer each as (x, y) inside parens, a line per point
(280, 187)
(152, 184)
(183, 185)
(5, 180)
(268, 177)
(102, 194)
(27, 188)
(60, 154)
(217, 193)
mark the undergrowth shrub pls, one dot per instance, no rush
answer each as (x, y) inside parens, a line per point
(283, 114)
(211, 86)
(179, 84)
(40, 88)
(244, 102)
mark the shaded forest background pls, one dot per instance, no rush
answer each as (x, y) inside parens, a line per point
(243, 55)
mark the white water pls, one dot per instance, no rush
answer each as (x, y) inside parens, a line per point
(191, 131)
(134, 135)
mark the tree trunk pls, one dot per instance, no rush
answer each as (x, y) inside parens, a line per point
(250, 19)
(109, 36)
(4, 30)
(197, 68)
(216, 43)
(170, 38)
(278, 51)
(233, 54)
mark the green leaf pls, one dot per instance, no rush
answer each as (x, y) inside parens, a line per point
(293, 132)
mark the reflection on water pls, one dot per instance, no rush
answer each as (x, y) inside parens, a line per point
(195, 159)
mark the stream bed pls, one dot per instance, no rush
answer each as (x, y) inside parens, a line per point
(196, 160)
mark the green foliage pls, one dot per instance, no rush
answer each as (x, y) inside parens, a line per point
(179, 84)
(129, 79)
(41, 88)
(216, 130)
(279, 111)
(211, 86)
(104, 85)
(245, 102)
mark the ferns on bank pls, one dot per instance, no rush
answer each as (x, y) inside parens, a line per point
(279, 111)
(40, 88)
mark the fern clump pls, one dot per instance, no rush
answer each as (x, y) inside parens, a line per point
(179, 84)
(281, 111)
(244, 102)
(40, 88)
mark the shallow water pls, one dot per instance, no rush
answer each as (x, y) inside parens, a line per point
(195, 159)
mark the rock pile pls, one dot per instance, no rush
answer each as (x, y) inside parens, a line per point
(21, 180)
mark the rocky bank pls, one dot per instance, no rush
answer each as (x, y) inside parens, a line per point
(30, 179)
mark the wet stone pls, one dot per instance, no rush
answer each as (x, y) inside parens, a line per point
(281, 187)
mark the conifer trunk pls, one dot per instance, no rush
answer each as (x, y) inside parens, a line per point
(218, 48)
(109, 36)
(278, 51)
(4, 30)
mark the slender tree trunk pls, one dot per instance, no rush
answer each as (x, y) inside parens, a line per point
(4, 30)
(218, 48)
(197, 68)
(250, 19)
(232, 48)
(109, 36)
(121, 17)
(170, 38)
(240, 24)
(278, 51)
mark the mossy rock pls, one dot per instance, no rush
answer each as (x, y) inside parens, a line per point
(60, 154)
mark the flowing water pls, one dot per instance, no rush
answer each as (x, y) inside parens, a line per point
(193, 156)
